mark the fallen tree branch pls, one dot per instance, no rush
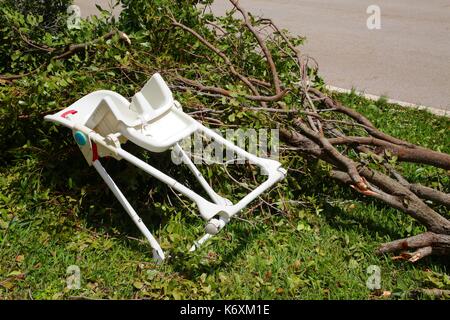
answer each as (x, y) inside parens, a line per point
(262, 44)
(227, 93)
(420, 190)
(416, 155)
(334, 153)
(430, 194)
(359, 118)
(434, 293)
(74, 48)
(222, 56)
(313, 135)
(425, 244)
(400, 197)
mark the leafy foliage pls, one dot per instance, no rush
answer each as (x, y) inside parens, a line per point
(52, 13)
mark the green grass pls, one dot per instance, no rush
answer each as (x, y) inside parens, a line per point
(54, 215)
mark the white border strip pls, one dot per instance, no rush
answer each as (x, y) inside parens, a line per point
(438, 112)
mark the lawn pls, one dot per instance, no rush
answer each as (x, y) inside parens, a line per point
(56, 214)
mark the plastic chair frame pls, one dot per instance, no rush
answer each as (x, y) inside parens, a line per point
(78, 117)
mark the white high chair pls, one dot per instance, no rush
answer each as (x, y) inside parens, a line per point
(104, 120)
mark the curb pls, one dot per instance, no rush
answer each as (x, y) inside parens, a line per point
(435, 111)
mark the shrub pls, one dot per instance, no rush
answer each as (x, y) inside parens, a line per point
(53, 12)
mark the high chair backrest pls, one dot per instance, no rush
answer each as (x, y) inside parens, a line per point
(153, 100)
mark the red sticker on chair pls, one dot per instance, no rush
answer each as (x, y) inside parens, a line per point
(65, 114)
(94, 152)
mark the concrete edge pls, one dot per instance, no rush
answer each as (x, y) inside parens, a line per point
(435, 111)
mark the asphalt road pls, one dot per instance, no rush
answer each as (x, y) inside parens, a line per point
(407, 59)
(88, 7)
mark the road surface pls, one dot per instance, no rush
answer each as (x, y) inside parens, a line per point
(407, 59)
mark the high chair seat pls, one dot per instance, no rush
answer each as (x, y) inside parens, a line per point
(163, 132)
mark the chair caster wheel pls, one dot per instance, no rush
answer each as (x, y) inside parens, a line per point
(214, 226)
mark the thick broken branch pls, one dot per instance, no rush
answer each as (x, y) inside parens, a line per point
(416, 154)
(425, 244)
(400, 197)
(430, 194)
(334, 153)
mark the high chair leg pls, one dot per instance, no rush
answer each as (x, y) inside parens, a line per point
(200, 241)
(158, 254)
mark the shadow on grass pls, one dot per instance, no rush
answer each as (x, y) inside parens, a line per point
(343, 220)
(194, 265)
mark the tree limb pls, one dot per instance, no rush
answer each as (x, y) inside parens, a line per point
(416, 155)
(262, 44)
(227, 93)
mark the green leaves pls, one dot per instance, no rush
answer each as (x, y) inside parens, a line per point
(33, 21)
(302, 227)
(138, 285)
